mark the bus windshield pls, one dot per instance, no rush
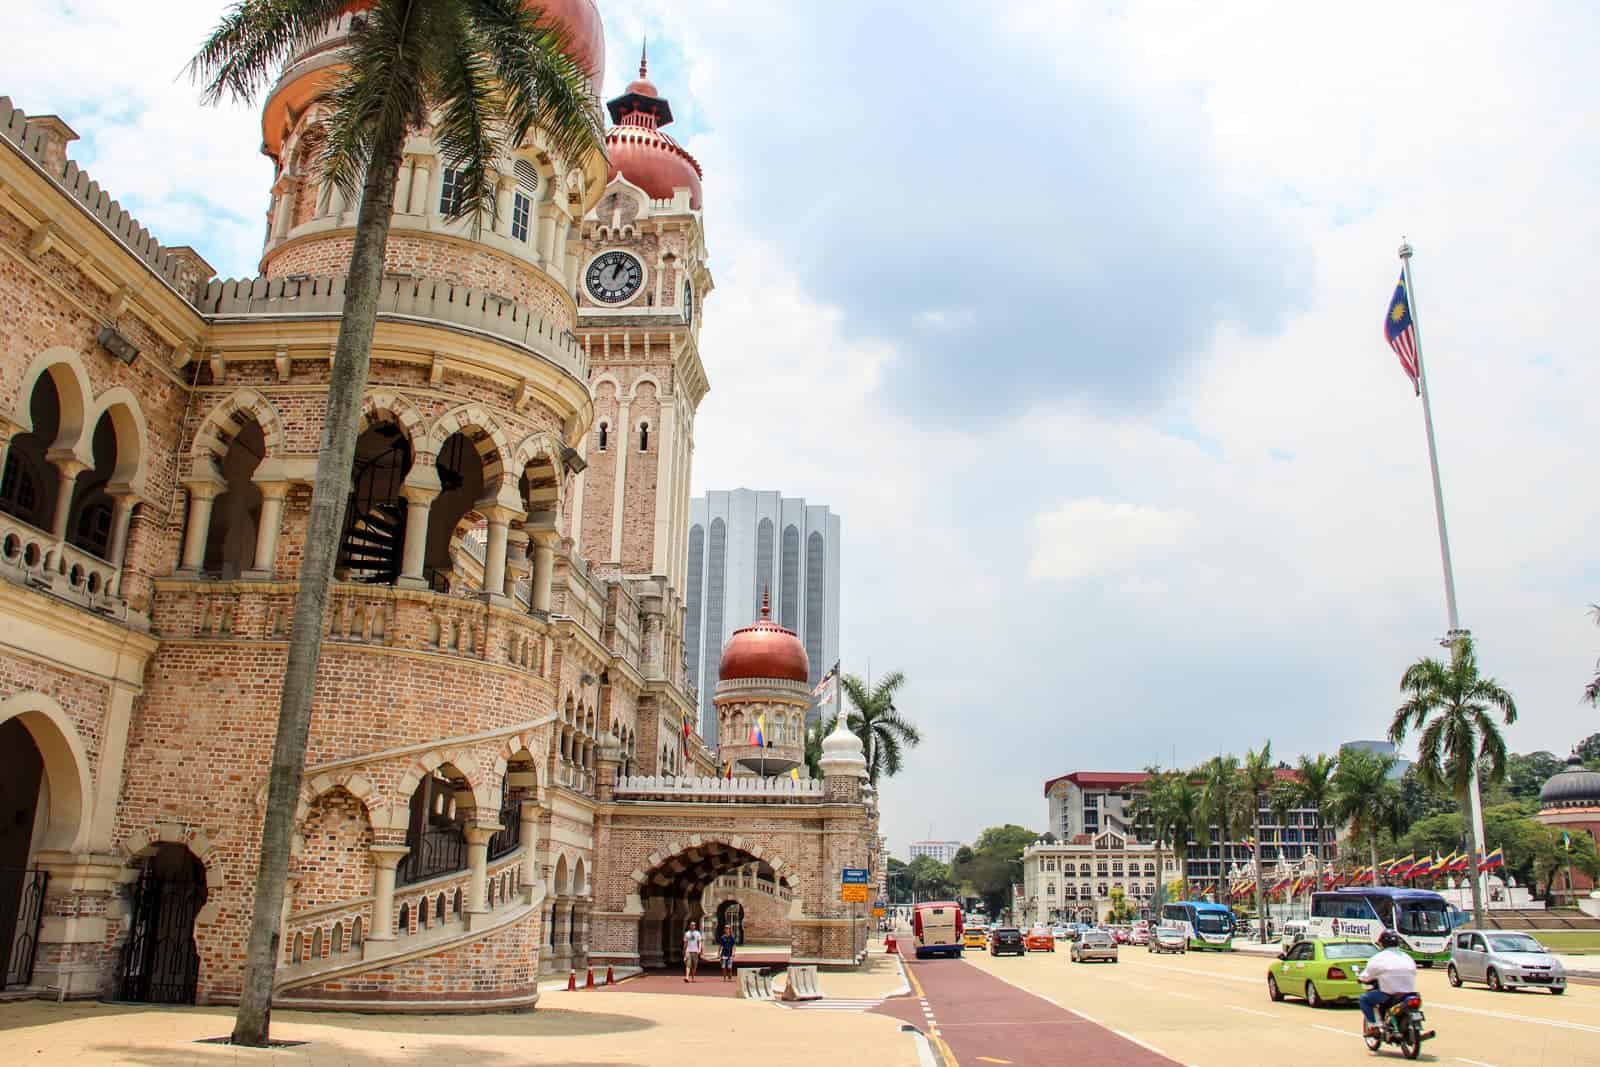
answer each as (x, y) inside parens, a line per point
(1341, 906)
(1426, 917)
(1212, 922)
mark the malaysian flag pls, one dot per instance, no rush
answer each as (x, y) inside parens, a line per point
(1401, 333)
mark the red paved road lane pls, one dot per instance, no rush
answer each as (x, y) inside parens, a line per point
(984, 1020)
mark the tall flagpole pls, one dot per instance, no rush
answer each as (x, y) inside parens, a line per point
(1454, 636)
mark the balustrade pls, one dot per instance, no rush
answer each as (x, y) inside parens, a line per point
(779, 790)
(441, 850)
(30, 556)
(327, 933)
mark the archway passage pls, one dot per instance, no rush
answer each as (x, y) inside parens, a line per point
(159, 963)
(730, 917)
(21, 888)
(672, 896)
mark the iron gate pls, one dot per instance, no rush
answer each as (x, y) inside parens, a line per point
(25, 888)
(159, 963)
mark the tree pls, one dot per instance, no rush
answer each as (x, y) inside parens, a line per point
(994, 864)
(1526, 773)
(882, 729)
(815, 733)
(1452, 708)
(1366, 799)
(1227, 805)
(1591, 692)
(930, 879)
(1121, 911)
(1312, 788)
(1589, 749)
(485, 74)
(1177, 816)
(1255, 779)
(899, 879)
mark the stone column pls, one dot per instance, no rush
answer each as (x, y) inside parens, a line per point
(273, 495)
(546, 234)
(494, 553)
(502, 205)
(558, 264)
(203, 492)
(528, 814)
(580, 931)
(123, 501)
(619, 486)
(544, 566)
(402, 189)
(384, 860)
(283, 215)
(478, 835)
(516, 561)
(421, 186)
(561, 934)
(421, 489)
(68, 467)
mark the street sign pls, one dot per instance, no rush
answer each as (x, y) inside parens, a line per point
(878, 912)
(852, 894)
(853, 888)
(853, 875)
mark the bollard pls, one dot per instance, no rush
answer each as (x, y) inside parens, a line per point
(610, 980)
(572, 980)
(588, 981)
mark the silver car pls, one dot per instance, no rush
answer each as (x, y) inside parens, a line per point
(1504, 959)
(1094, 945)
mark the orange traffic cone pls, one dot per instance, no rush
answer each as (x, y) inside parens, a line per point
(588, 981)
(889, 945)
(572, 980)
(610, 979)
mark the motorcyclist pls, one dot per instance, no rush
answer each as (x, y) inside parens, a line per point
(1392, 974)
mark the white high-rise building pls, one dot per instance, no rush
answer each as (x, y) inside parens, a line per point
(743, 542)
(943, 851)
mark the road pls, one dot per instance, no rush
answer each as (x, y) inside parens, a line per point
(1206, 1008)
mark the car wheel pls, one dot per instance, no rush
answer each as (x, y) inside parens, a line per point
(1273, 992)
(1453, 975)
(1557, 990)
(1494, 981)
(1313, 998)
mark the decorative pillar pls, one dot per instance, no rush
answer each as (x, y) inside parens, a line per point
(385, 858)
(68, 467)
(420, 186)
(273, 495)
(561, 934)
(478, 835)
(502, 205)
(544, 565)
(580, 931)
(421, 489)
(494, 554)
(528, 815)
(402, 189)
(516, 561)
(203, 492)
(559, 256)
(122, 503)
(547, 233)
(619, 488)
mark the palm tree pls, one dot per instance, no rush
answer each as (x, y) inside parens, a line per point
(882, 729)
(1224, 801)
(1453, 708)
(1366, 799)
(485, 74)
(1313, 788)
(1256, 778)
(815, 733)
(1177, 814)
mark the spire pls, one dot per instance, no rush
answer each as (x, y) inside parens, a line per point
(644, 60)
(766, 602)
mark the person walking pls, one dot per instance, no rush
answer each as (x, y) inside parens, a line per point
(692, 944)
(725, 945)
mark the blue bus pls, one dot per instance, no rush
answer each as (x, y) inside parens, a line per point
(1420, 916)
(1205, 925)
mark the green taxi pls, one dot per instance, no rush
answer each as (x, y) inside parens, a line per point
(1322, 970)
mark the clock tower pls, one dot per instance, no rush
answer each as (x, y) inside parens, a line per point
(641, 282)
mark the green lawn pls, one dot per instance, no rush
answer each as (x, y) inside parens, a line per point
(1572, 941)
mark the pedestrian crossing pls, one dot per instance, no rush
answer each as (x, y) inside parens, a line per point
(854, 1004)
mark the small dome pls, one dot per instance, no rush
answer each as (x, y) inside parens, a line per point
(1574, 787)
(843, 753)
(764, 650)
(640, 152)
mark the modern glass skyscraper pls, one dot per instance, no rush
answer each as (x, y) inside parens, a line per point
(742, 542)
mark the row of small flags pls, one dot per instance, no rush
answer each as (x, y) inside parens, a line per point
(1405, 868)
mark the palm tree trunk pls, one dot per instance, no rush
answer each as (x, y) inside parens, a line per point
(346, 384)
(1183, 868)
(1373, 843)
(1261, 896)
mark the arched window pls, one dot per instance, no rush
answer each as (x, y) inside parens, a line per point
(605, 433)
(644, 437)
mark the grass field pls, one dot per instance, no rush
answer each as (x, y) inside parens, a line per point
(1573, 941)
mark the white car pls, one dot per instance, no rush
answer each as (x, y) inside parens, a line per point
(1058, 932)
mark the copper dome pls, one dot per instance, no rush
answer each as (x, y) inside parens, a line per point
(581, 20)
(764, 650)
(640, 152)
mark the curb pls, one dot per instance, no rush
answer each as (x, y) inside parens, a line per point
(926, 1056)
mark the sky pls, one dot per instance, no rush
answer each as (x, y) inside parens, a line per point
(1073, 313)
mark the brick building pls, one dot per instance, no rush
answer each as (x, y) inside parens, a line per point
(498, 781)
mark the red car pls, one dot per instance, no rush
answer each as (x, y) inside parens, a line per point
(1039, 939)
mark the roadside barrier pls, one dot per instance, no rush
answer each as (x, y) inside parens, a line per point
(755, 984)
(802, 984)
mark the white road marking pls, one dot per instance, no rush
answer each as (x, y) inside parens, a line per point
(1331, 1030)
(1147, 1046)
(1475, 1063)
(1251, 1011)
(1559, 1024)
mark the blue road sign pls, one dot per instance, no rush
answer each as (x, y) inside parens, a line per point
(853, 875)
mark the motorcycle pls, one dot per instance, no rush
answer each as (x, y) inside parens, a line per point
(1401, 1024)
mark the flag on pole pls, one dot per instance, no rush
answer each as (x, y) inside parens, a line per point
(727, 772)
(1401, 333)
(684, 739)
(823, 694)
(758, 735)
(794, 772)
(1497, 858)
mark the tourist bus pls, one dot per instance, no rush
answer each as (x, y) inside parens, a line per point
(1420, 916)
(937, 927)
(1204, 924)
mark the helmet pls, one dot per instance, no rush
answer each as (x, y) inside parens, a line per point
(1388, 939)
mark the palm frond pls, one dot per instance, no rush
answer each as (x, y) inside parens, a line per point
(466, 125)
(247, 50)
(543, 86)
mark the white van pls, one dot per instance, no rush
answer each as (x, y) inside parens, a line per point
(1294, 930)
(936, 928)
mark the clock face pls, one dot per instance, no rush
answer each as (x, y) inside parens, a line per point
(688, 303)
(613, 277)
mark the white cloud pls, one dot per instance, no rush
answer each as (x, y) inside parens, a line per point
(1093, 537)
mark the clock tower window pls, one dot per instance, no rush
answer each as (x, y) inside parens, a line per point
(604, 430)
(644, 437)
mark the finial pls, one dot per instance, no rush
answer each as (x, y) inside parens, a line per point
(766, 602)
(1405, 248)
(644, 61)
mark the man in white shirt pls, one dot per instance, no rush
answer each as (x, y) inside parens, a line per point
(1395, 973)
(691, 951)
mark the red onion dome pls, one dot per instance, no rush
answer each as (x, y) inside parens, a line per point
(764, 650)
(640, 152)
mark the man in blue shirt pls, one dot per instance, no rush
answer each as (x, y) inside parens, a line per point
(725, 943)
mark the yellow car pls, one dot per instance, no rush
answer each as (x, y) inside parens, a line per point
(975, 937)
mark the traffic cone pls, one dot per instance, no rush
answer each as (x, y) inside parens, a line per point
(588, 981)
(572, 980)
(889, 945)
(610, 980)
